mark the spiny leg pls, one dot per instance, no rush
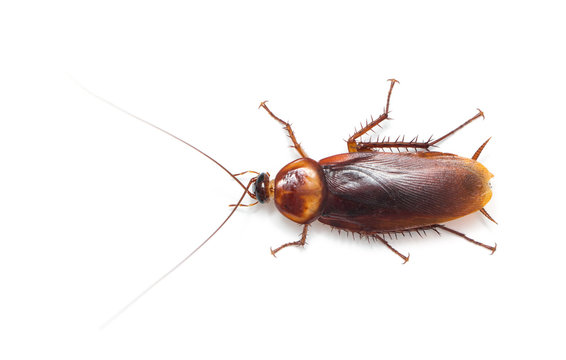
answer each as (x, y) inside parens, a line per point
(406, 258)
(492, 248)
(413, 144)
(478, 115)
(294, 243)
(353, 146)
(287, 127)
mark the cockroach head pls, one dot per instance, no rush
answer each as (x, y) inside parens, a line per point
(263, 188)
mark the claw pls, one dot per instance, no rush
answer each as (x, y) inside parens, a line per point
(481, 113)
(272, 252)
(407, 258)
(394, 81)
(494, 248)
(262, 104)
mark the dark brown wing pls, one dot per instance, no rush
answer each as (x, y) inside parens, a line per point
(376, 191)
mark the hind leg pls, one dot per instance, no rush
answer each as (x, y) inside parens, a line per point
(488, 247)
(413, 144)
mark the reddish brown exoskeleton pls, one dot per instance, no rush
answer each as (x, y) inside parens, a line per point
(373, 193)
(365, 191)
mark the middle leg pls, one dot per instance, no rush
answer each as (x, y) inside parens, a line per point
(353, 145)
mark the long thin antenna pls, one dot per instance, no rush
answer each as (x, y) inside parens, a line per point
(134, 300)
(158, 128)
(246, 191)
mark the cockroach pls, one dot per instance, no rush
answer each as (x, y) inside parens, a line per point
(374, 193)
(366, 191)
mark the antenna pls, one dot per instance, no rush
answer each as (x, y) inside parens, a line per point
(236, 206)
(134, 300)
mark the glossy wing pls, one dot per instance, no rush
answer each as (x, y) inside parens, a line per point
(388, 191)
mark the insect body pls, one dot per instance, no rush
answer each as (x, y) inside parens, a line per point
(374, 193)
(364, 191)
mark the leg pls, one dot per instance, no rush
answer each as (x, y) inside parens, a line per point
(406, 258)
(413, 144)
(478, 115)
(492, 248)
(295, 243)
(352, 144)
(287, 127)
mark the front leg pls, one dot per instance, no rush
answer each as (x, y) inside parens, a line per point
(294, 243)
(287, 127)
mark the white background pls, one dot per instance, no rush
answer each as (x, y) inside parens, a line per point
(94, 205)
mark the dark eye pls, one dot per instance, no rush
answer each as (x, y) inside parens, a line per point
(261, 187)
